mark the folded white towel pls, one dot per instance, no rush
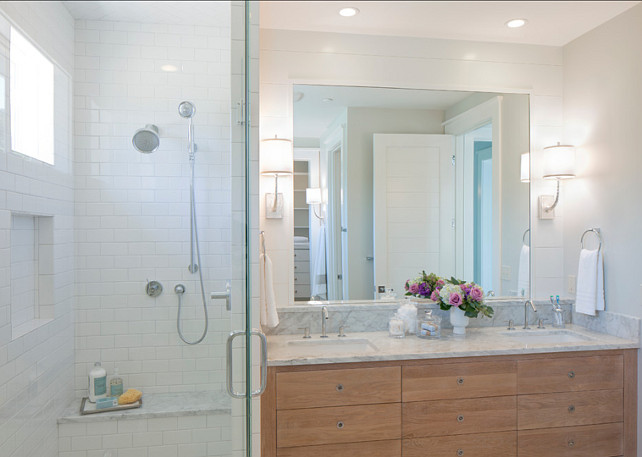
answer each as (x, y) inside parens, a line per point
(269, 315)
(590, 283)
(524, 272)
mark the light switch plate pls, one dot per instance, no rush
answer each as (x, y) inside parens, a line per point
(507, 272)
(544, 202)
(270, 211)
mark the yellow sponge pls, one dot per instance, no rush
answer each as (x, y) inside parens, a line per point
(131, 396)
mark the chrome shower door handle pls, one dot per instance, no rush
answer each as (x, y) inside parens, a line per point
(225, 295)
(229, 378)
(263, 339)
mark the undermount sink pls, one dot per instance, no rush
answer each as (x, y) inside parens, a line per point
(334, 345)
(546, 336)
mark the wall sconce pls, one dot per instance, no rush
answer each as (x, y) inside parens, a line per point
(525, 168)
(276, 159)
(312, 198)
(559, 163)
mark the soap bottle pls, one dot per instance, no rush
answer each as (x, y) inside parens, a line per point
(97, 383)
(115, 384)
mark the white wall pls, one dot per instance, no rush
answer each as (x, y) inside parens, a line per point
(291, 57)
(36, 370)
(132, 209)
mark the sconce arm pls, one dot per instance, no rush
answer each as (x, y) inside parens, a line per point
(557, 198)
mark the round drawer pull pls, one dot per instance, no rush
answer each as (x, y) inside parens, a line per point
(460, 452)
(571, 443)
(339, 387)
(460, 381)
(460, 418)
(340, 425)
(571, 409)
(571, 374)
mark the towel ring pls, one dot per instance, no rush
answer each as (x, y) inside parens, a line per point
(597, 233)
(524, 237)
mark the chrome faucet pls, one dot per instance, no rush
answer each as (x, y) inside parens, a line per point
(526, 303)
(324, 319)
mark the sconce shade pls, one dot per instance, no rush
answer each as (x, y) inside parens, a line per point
(525, 175)
(276, 156)
(313, 196)
(559, 162)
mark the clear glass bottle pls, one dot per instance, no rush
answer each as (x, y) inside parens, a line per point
(396, 327)
(429, 326)
(115, 384)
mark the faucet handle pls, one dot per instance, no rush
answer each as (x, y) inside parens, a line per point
(342, 331)
(540, 323)
(306, 332)
(511, 324)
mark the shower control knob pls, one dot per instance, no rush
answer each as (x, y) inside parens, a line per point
(153, 288)
(179, 289)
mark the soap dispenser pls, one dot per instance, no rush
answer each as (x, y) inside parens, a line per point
(115, 384)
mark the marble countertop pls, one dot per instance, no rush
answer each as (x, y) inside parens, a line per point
(288, 350)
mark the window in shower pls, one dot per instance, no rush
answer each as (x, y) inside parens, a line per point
(31, 97)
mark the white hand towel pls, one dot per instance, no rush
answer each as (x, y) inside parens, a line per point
(524, 272)
(319, 287)
(269, 315)
(590, 283)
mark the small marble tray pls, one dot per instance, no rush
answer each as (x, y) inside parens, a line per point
(86, 407)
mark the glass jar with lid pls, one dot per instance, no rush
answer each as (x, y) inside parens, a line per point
(429, 326)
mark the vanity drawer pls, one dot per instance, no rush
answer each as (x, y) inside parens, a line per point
(456, 417)
(588, 441)
(459, 380)
(570, 374)
(390, 448)
(503, 444)
(569, 409)
(301, 267)
(302, 290)
(301, 279)
(302, 255)
(345, 424)
(360, 386)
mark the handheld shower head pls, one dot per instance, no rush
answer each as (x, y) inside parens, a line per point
(186, 109)
(146, 140)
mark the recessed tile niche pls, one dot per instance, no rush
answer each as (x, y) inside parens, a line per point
(32, 271)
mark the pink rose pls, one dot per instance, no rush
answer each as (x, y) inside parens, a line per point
(476, 294)
(455, 299)
(414, 288)
(435, 295)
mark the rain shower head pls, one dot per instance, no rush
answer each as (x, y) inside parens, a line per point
(186, 109)
(146, 140)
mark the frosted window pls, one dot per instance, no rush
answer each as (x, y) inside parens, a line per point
(31, 99)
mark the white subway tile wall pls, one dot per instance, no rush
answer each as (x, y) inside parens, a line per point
(36, 369)
(132, 209)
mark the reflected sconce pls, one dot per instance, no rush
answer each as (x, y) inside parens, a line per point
(525, 168)
(313, 198)
(559, 163)
(276, 159)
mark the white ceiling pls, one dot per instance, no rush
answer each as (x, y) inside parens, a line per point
(553, 23)
(312, 115)
(179, 12)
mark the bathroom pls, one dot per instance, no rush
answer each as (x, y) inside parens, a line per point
(105, 222)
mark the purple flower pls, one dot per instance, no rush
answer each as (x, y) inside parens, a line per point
(455, 299)
(476, 294)
(435, 295)
(414, 288)
(407, 286)
(424, 289)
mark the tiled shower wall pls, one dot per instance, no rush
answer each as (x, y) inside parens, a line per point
(132, 209)
(36, 369)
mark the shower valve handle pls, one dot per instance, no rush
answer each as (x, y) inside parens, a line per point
(225, 295)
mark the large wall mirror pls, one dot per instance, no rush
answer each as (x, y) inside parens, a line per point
(390, 182)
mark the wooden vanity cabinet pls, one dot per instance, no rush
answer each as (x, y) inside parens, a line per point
(579, 404)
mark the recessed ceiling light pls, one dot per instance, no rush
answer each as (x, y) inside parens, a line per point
(328, 99)
(169, 68)
(516, 23)
(348, 12)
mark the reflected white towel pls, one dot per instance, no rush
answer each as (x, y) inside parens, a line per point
(590, 283)
(524, 272)
(319, 287)
(269, 315)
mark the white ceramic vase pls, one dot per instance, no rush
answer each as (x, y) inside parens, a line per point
(458, 320)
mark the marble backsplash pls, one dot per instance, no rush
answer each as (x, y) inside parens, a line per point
(370, 317)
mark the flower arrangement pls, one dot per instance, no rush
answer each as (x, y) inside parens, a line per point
(423, 286)
(467, 296)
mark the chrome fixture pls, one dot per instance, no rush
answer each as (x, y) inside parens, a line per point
(229, 381)
(540, 324)
(324, 319)
(511, 325)
(224, 295)
(342, 332)
(526, 303)
(153, 288)
(146, 140)
(306, 332)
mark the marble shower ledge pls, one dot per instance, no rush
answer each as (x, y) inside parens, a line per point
(477, 342)
(158, 405)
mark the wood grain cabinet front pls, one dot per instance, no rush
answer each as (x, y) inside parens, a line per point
(588, 441)
(502, 444)
(389, 448)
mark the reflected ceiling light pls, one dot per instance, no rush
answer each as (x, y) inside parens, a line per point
(328, 99)
(169, 68)
(348, 12)
(516, 23)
